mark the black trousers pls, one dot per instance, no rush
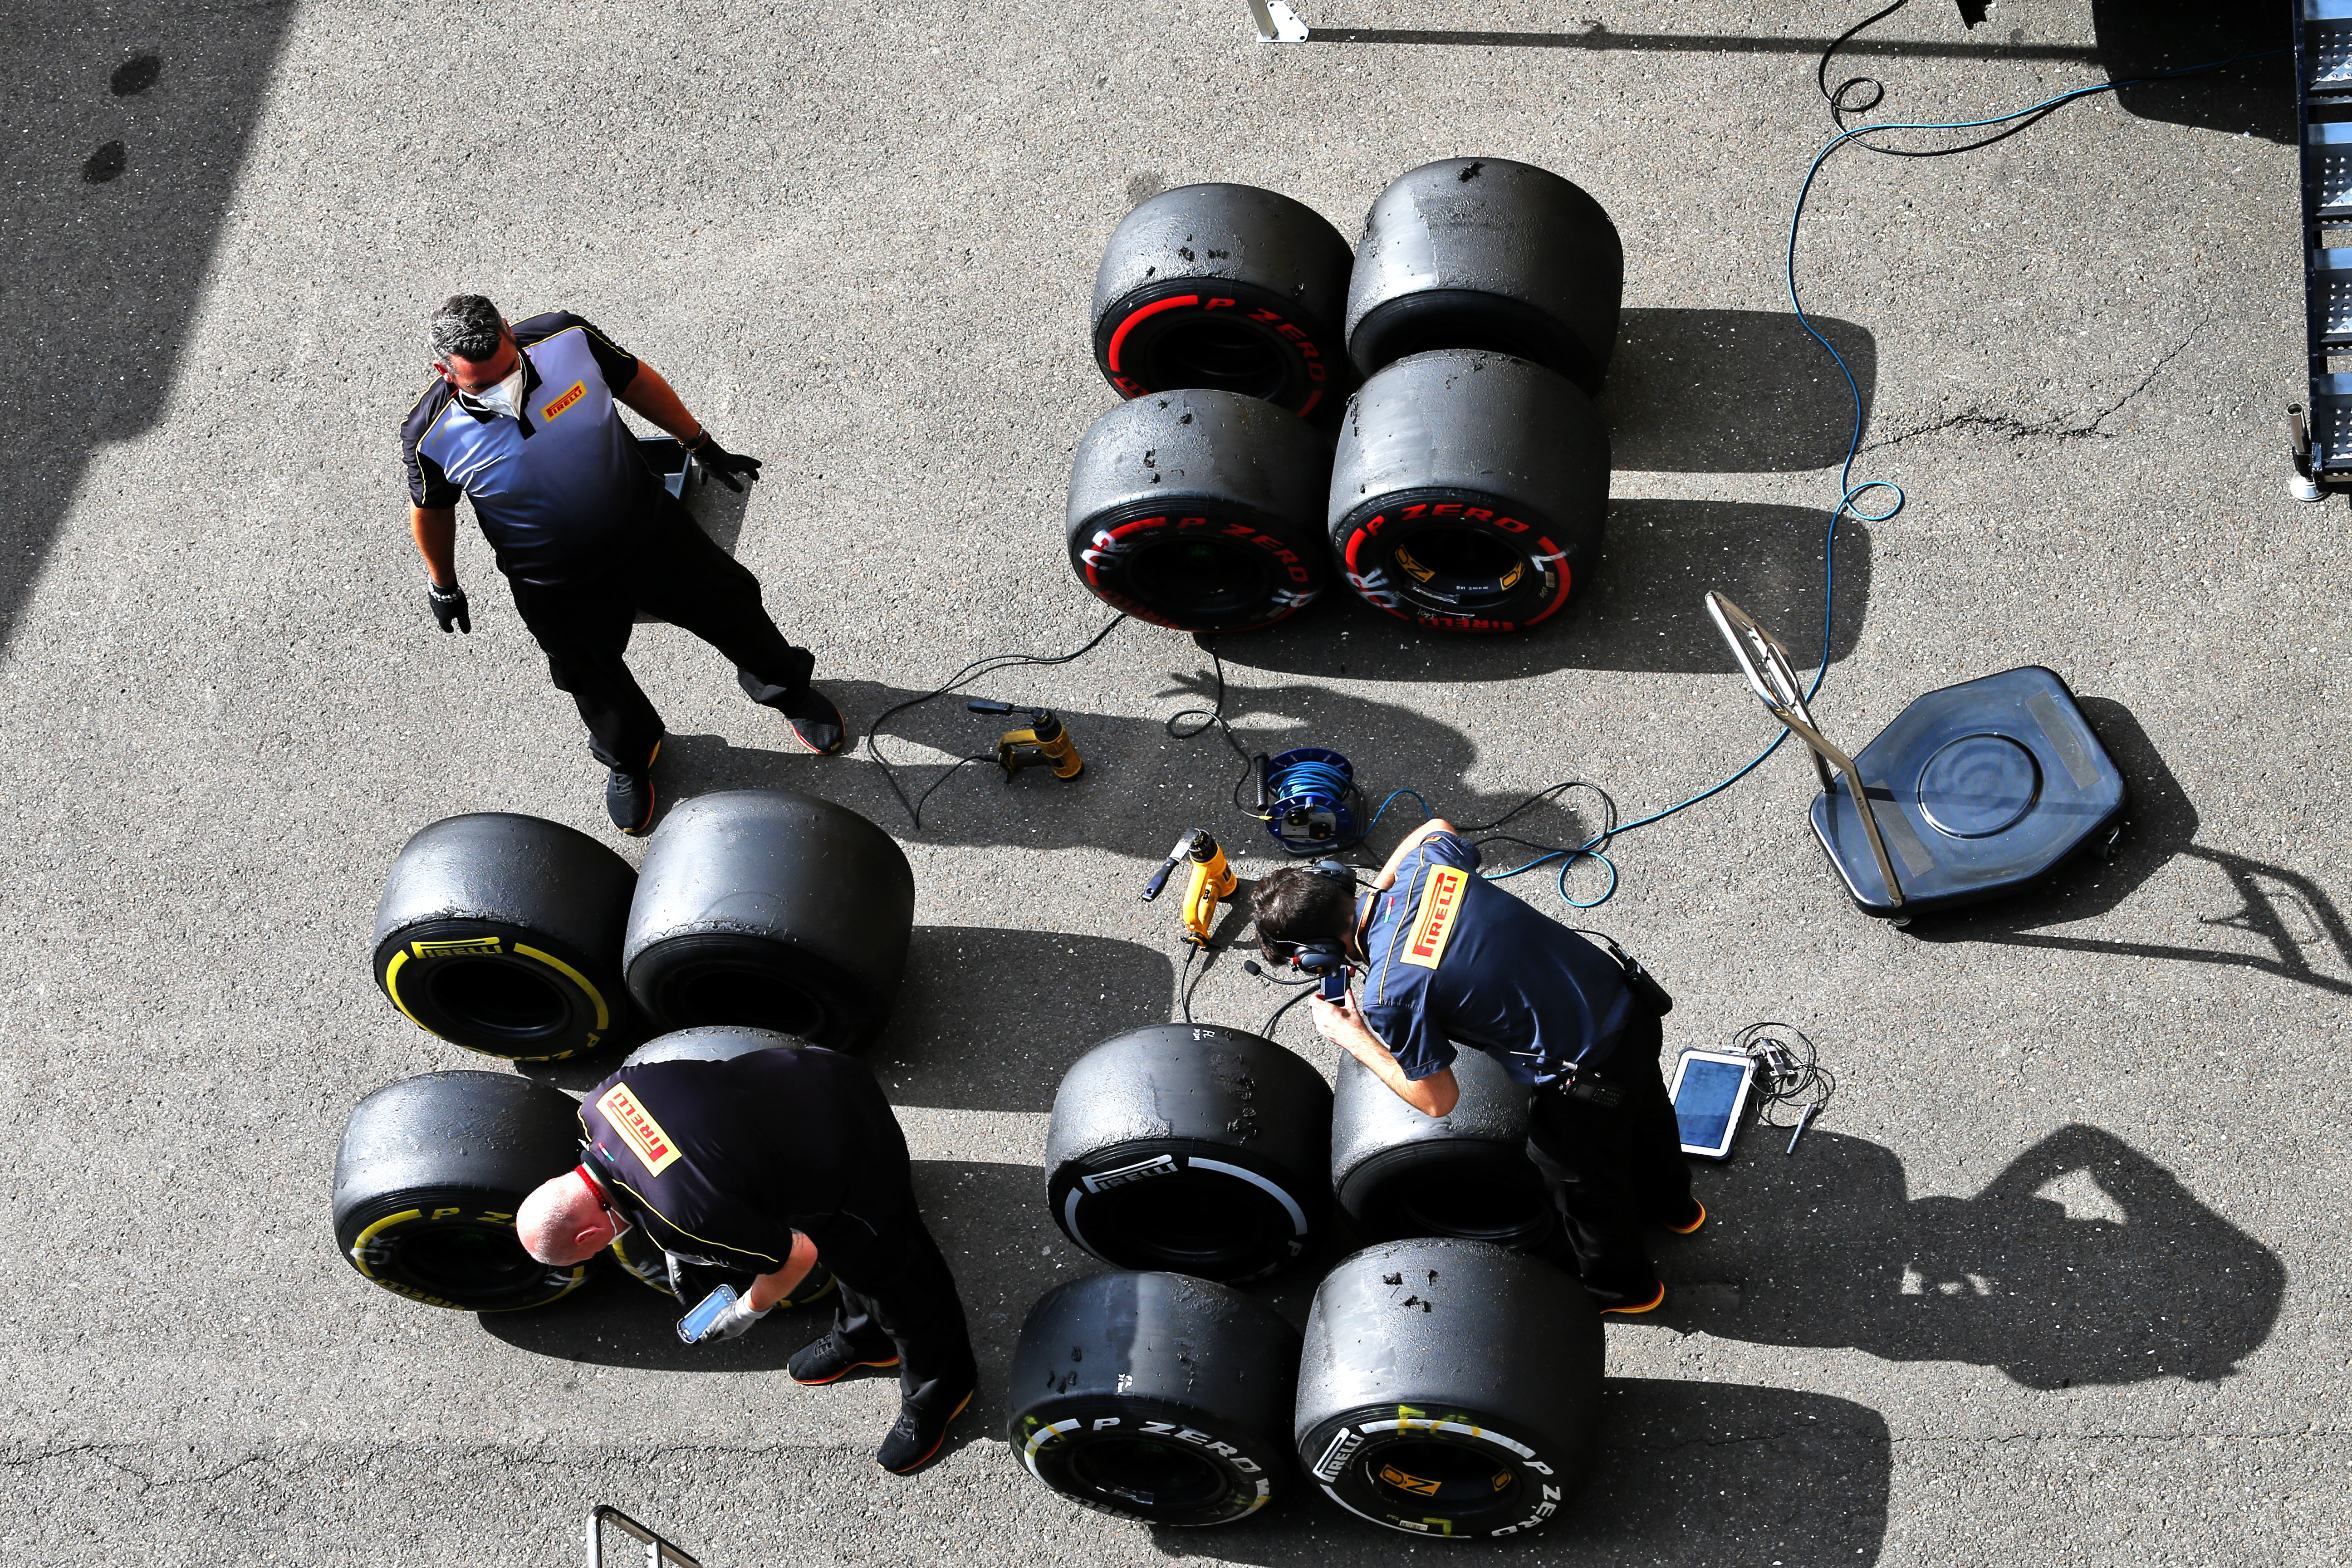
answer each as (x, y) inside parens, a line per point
(1614, 1170)
(675, 573)
(896, 1292)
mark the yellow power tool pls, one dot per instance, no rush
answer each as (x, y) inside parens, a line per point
(1045, 743)
(1210, 881)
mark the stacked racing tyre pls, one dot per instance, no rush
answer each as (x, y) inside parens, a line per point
(1201, 1149)
(1469, 491)
(1202, 510)
(1155, 1397)
(648, 1264)
(1483, 253)
(428, 1177)
(1397, 1173)
(772, 909)
(502, 933)
(1449, 1388)
(1224, 287)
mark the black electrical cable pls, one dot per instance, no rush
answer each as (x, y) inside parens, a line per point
(1275, 1017)
(1788, 1070)
(986, 665)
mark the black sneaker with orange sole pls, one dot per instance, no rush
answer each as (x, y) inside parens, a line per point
(914, 1437)
(828, 1360)
(1635, 1308)
(629, 796)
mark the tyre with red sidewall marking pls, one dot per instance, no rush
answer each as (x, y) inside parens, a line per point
(1226, 287)
(1449, 1388)
(1483, 253)
(1156, 1397)
(1469, 491)
(1201, 510)
(428, 1176)
(502, 933)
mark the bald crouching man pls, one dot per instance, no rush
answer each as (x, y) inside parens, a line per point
(762, 1165)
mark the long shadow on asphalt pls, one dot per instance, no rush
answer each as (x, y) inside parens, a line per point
(1687, 1473)
(2083, 1261)
(2299, 934)
(2140, 38)
(108, 247)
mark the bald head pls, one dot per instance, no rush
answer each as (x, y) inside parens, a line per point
(563, 1222)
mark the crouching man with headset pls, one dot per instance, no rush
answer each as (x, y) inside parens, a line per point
(761, 1164)
(1451, 960)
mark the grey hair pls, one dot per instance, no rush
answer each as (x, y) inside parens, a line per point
(467, 326)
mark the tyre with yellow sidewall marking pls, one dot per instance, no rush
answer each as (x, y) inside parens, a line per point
(1449, 1388)
(502, 933)
(427, 1179)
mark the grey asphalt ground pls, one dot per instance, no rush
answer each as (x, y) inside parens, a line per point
(2060, 1278)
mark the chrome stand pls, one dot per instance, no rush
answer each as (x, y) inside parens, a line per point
(1278, 22)
(659, 1554)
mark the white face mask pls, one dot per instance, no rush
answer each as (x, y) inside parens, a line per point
(506, 397)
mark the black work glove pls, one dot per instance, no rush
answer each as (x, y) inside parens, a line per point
(723, 464)
(450, 607)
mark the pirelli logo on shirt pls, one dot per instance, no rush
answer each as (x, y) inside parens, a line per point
(1433, 924)
(572, 395)
(643, 1135)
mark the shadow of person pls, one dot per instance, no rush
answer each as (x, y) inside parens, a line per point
(1640, 612)
(126, 237)
(1707, 392)
(2142, 37)
(2083, 1262)
(1686, 1473)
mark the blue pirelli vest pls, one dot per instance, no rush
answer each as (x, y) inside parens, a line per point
(561, 493)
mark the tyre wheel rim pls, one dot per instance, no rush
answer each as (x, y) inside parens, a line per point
(1458, 569)
(1475, 1207)
(1221, 354)
(1208, 1225)
(1431, 1476)
(1199, 579)
(1164, 1477)
(466, 1262)
(742, 994)
(499, 999)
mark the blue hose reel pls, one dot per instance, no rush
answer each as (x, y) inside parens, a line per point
(1306, 798)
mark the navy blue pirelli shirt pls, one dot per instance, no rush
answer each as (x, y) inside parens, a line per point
(721, 1162)
(559, 491)
(1456, 961)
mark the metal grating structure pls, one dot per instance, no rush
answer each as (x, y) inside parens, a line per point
(2323, 74)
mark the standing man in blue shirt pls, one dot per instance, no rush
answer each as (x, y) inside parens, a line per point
(524, 422)
(1451, 960)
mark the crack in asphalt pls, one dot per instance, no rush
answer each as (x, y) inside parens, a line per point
(2052, 427)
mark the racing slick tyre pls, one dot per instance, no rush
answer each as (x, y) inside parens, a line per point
(1227, 287)
(1469, 491)
(427, 1179)
(1156, 1397)
(1397, 1173)
(646, 1263)
(771, 910)
(1193, 1148)
(502, 933)
(1483, 253)
(1449, 1388)
(1202, 510)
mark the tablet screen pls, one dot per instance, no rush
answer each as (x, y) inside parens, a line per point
(1704, 1101)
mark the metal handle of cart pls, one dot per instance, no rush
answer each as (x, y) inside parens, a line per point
(1773, 678)
(658, 1552)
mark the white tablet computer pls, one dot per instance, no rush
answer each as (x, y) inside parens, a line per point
(1709, 1092)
